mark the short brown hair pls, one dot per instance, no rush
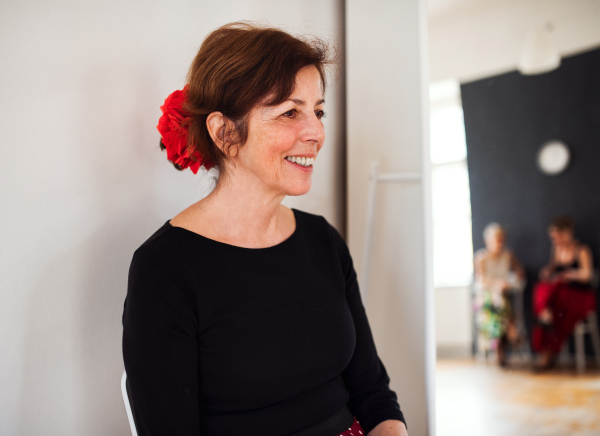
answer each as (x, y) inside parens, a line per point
(563, 222)
(238, 66)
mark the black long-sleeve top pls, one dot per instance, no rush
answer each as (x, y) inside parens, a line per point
(221, 340)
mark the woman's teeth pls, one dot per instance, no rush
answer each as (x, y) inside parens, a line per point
(304, 161)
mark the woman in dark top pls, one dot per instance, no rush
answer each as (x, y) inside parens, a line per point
(242, 316)
(564, 296)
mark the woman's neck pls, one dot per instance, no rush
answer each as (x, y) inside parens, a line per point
(565, 246)
(242, 213)
(495, 254)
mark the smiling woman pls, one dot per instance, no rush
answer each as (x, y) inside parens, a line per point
(278, 137)
(220, 337)
(240, 68)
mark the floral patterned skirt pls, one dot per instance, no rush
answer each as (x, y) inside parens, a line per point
(493, 315)
(354, 430)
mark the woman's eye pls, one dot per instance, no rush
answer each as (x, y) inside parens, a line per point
(320, 114)
(290, 113)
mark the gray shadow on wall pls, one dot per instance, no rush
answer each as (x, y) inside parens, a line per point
(89, 282)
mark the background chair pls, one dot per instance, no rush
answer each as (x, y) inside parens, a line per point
(589, 325)
(522, 347)
(125, 391)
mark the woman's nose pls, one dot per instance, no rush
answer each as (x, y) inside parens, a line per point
(314, 131)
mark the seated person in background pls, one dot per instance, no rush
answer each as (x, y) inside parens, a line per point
(497, 272)
(564, 295)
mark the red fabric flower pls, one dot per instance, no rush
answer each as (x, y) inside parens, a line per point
(173, 129)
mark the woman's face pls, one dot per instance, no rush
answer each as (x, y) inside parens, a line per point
(276, 134)
(494, 242)
(558, 236)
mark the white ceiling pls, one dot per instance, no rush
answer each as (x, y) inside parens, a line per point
(438, 6)
(472, 39)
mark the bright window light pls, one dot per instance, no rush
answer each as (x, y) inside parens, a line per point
(452, 240)
(447, 135)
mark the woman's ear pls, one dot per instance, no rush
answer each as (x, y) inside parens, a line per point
(215, 123)
(220, 129)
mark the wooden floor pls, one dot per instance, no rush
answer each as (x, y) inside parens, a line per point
(478, 399)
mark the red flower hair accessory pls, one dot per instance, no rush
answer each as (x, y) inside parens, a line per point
(172, 126)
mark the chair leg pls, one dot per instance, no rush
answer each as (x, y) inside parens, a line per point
(595, 335)
(580, 347)
(524, 348)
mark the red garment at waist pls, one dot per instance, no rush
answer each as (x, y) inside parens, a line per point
(354, 430)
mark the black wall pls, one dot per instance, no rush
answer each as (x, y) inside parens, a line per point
(507, 119)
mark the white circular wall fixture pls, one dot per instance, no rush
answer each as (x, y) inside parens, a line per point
(553, 157)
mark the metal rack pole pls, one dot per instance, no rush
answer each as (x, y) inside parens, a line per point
(374, 179)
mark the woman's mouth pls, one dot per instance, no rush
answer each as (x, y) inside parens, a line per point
(305, 163)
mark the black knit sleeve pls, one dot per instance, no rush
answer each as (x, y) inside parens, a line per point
(160, 348)
(366, 379)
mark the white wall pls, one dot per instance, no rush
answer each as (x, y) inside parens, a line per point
(471, 39)
(83, 184)
(387, 122)
(453, 325)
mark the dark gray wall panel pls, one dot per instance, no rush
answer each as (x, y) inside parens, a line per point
(507, 118)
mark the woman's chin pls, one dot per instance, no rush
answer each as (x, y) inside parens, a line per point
(298, 189)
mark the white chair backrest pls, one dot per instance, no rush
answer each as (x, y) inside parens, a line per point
(127, 404)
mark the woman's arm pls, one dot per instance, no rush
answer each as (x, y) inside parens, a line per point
(479, 269)
(519, 273)
(585, 271)
(160, 348)
(517, 267)
(371, 399)
(391, 427)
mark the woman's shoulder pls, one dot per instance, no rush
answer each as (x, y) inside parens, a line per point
(316, 224)
(309, 219)
(581, 245)
(158, 236)
(583, 248)
(161, 240)
(324, 234)
(165, 248)
(157, 268)
(480, 254)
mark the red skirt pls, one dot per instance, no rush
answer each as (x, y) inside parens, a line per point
(568, 304)
(354, 430)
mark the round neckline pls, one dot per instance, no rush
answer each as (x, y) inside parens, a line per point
(224, 244)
